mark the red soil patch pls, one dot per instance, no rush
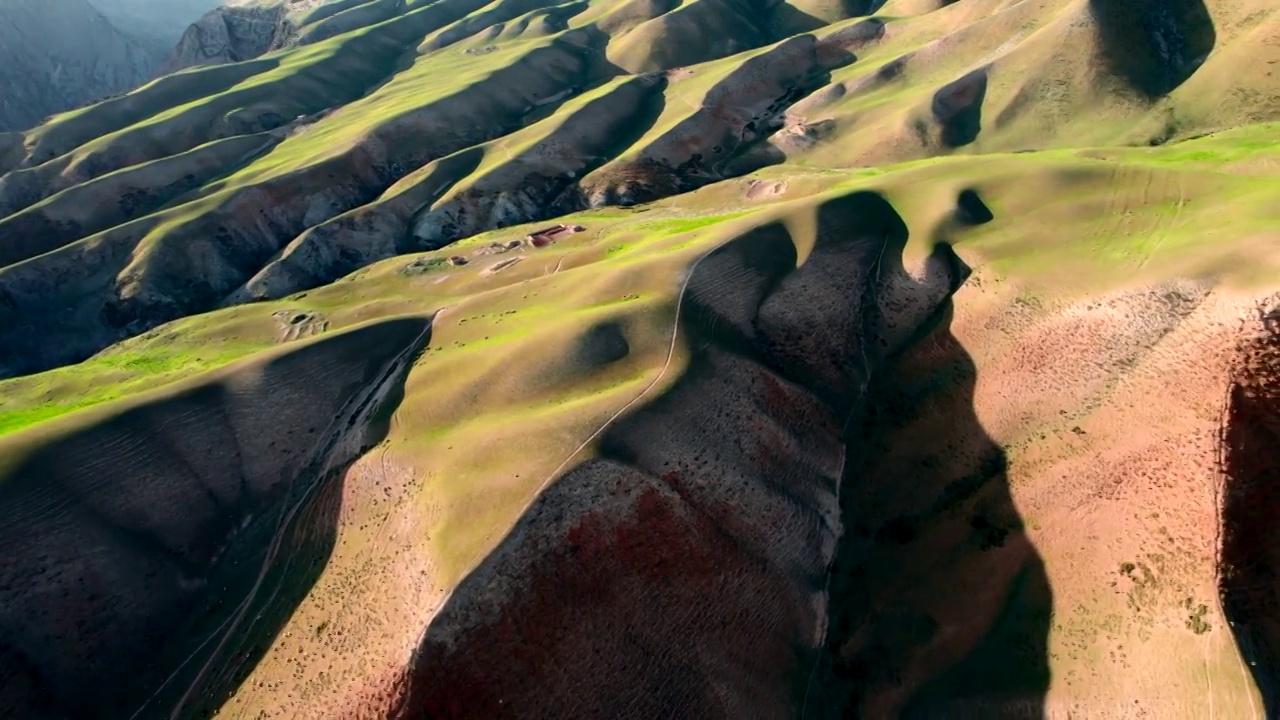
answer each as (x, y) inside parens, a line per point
(599, 617)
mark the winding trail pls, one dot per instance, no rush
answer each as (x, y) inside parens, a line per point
(546, 482)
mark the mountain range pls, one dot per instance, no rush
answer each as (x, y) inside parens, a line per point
(638, 358)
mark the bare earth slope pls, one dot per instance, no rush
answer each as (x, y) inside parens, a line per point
(906, 360)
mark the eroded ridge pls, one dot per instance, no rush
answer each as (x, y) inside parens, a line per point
(684, 569)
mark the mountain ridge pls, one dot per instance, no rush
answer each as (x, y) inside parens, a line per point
(62, 55)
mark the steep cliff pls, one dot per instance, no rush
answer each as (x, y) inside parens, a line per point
(231, 34)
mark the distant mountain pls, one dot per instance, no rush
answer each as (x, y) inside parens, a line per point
(56, 55)
(159, 22)
(59, 54)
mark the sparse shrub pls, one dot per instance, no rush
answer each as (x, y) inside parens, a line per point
(1196, 622)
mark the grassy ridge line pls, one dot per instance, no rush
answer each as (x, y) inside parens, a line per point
(1061, 186)
(191, 346)
(176, 113)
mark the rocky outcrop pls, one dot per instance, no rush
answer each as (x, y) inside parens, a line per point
(232, 34)
(57, 55)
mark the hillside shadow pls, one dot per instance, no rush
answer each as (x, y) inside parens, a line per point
(1153, 45)
(940, 604)
(151, 558)
(957, 108)
(1249, 577)
(216, 671)
(678, 572)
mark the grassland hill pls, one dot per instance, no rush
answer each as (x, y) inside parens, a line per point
(914, 359)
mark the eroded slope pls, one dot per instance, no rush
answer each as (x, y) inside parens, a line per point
(685, 567)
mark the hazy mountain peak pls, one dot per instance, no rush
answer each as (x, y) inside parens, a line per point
(56, 55)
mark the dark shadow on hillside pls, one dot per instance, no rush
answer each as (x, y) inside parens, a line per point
(957, 108)
(794, 69)
(1249, 577)
(1153, 45)
(148, 560)
(786, 20)
(940, 605)
(680, 572)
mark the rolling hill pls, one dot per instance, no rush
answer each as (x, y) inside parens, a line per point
(631, 358)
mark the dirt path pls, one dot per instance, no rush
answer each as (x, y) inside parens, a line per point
(542, 486)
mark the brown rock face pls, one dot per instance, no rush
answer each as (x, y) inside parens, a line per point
(1250, 553)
